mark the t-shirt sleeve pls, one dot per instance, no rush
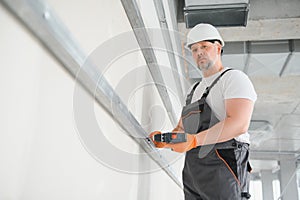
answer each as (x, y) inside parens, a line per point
(238, 85)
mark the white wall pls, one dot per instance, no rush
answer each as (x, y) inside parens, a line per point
(42, 155)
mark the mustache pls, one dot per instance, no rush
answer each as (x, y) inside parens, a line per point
(201, 57)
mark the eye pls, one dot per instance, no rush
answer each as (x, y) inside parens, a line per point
(194, 50)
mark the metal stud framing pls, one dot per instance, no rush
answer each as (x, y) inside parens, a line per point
(135, 18)
(38, 17)
(169, 47)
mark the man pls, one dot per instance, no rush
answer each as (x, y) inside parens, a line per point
(215, 119)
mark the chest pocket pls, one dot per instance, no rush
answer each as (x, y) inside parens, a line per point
(198, 116)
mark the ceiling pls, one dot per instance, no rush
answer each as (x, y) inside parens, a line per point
(268, 50)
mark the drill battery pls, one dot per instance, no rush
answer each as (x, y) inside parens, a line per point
(170, 137)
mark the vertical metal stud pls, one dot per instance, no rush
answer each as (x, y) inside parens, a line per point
(248, 51)
(169, 47)
(138, 27)
(289, 57)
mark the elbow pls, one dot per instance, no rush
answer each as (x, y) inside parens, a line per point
(240, 125)
(244, 127)
(244, 130)
(237, 126)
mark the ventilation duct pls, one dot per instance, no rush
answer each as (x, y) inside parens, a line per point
(216, 12)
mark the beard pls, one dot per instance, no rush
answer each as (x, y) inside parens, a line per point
(206, 65)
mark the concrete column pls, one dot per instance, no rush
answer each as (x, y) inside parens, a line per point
(288, 179)
(267, 186)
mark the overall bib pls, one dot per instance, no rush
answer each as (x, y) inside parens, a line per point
(213, 172)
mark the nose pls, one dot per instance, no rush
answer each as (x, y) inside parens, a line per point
(199, 52)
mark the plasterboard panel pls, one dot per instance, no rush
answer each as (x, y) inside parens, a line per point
(293, 67)
(266, 64)
(297, 110)
(235, 61)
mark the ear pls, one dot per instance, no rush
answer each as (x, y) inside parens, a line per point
(219, 48)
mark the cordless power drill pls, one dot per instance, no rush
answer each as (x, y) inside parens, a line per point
(170, 137)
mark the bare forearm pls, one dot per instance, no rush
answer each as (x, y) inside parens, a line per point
(221, 132)
(238, 115)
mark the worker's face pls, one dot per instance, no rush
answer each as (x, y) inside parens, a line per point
(205, 54)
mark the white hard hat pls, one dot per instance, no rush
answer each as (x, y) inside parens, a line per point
(202, 32)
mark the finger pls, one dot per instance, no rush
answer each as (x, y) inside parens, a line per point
(177, 132)
(160, 144)
(154, 133)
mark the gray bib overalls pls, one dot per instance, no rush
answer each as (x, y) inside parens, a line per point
(213, 172)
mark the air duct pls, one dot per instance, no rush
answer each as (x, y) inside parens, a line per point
(216, 12)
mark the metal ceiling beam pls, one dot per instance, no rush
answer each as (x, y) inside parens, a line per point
(262, 47)
(263, 29)
(289, 57)
(38, 17)
(273, 155)
(168, 42)
(135, 18)
(248, 49)
(248, 52)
